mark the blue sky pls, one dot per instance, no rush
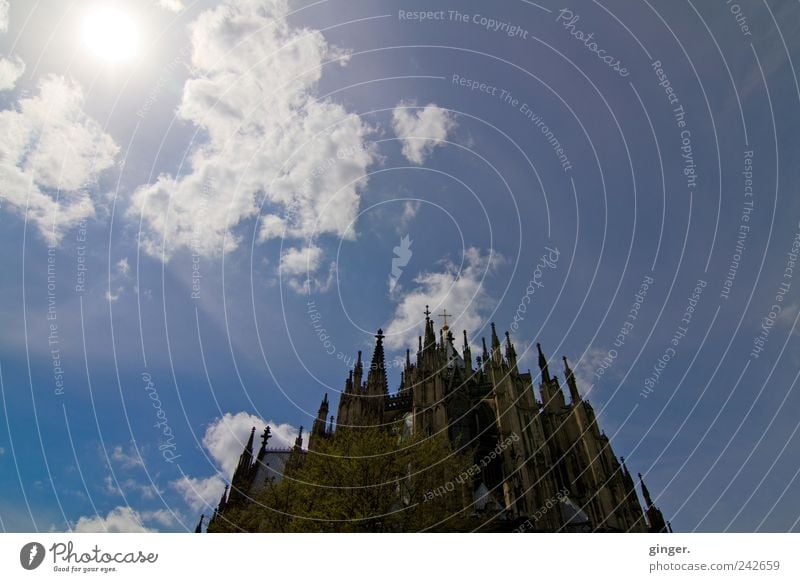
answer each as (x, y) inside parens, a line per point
(243, 181)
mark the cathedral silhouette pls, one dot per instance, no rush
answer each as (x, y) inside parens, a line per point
(548, 453)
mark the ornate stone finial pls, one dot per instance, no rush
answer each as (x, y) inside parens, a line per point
(427, 312)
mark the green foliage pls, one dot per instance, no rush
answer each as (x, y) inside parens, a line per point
(365, 480)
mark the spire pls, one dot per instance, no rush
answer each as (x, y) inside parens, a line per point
(467, 354)
(485, 351)
(511, 353)
(376, 377)
(627, 480)
(298, 442)
(645, 493)
(573, 387)
(246, 458)
(249, 446)
(430, 334)
(242, 476)
(497, 355)
(408, 359)
(358, 371)
(495, 339)
(223, 500)
(199, 528)
(330, 426)
(318, 428)
(655, 519)
(543, 365)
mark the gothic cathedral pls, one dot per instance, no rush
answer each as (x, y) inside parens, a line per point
(544, 449)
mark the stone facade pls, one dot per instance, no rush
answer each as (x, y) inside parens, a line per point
(543, 452)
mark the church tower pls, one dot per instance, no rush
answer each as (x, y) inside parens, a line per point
(543, 462)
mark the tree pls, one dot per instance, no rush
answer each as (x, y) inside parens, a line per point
(366, 480)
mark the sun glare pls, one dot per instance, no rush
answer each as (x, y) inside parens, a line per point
(110, 34)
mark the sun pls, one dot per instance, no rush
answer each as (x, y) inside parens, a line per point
(110, 34)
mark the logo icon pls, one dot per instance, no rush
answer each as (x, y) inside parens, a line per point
(31, 555)
(402, 254)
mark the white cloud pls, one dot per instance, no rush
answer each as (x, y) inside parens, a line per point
(299, 267)
(51, 153)
(266, 137)
(421, 129)
(127, 459)
(11, 70)
(410, 209)
(171, 5)
(590, 362)
(224, 439)
(117, 281)
(200, 494)
(162, 517)
(788, 315)
(113, 296)
(123, 267)
(462, 293)
(127, 486)
(296, 261)
(119, 520)
(4, 15)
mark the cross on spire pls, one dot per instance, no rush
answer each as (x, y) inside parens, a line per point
(427, 312)
(445, 315)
